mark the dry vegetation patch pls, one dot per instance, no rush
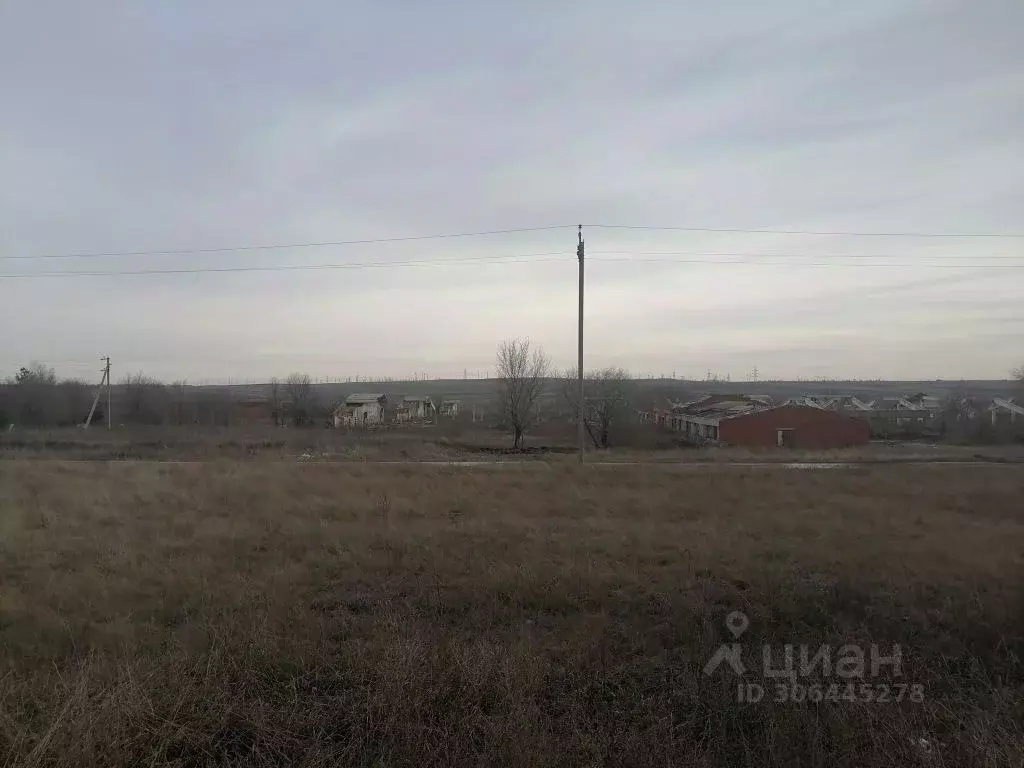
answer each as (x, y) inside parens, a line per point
(251, 613)
(446, 441)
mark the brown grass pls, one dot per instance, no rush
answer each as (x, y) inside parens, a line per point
(444, 442)
(252, 613)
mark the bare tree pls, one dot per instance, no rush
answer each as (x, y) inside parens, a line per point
(36, 373)
(179, 405)
(300, 391)
(276, 398)
(521, 374)
(74, 400)
(607, 392)
(213, 406)
(144, 399)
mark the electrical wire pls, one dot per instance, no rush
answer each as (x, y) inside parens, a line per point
(282, 246)
(533, 258)
(483, 233)
(776, 254)
(527, 258)
(834, 264)
(737, 230)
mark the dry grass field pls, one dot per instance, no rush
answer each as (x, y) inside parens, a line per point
(445, 442)
(263, 613)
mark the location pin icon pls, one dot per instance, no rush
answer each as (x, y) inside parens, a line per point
(737, 623)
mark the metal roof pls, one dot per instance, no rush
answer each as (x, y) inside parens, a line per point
(807, 400)
(1007, 405)
(843, 403)
(895, 403)
(732, 409)
(416, 399)
(363, 398)
(722, 407)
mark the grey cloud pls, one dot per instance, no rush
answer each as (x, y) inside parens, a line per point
(188, 125)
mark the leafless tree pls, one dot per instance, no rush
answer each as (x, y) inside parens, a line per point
(74, 399)
(144, 399)
(276, 400)
(521, 373)
(212, 406)
(607, 393)
(6, 405)
(36, 373)
(300, 391)
(181, 407)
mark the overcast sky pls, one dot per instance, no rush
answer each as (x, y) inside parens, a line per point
(128, 126)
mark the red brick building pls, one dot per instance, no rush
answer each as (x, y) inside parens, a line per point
(753, 421)
(793, 426)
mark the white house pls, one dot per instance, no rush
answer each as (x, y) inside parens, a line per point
(360, 410)
(449, 408)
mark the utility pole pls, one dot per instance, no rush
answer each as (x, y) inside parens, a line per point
(579, 361)
(107, 375)
(99, 391)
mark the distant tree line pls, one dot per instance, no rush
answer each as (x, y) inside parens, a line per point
(34, 397)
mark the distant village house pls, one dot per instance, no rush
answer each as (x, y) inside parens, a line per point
(414, 408)
(360, 410)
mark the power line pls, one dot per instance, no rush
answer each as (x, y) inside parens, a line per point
(483, 233)
(855, 265)
(737, 230)
(770, 254)
(282, 246)
(527, 258)
(535, 258)
(72, 361)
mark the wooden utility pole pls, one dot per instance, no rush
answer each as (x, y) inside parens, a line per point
(580, 411)
(108, 392)
(105, 381)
